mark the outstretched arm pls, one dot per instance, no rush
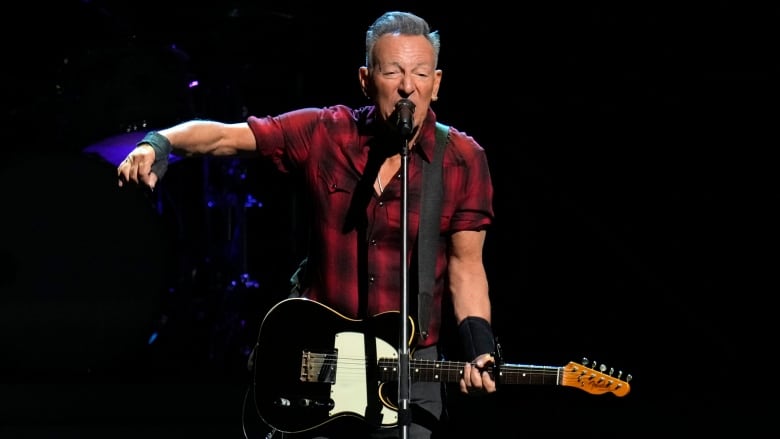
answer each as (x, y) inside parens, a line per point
(196, 137)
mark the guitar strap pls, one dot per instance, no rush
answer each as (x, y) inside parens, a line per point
(428, 235)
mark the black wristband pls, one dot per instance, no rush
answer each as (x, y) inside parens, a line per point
(162, 148)
(476, 335)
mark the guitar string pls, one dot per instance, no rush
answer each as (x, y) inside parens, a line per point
(448, 363)
(350, 364)
(360, 364)
(360, 361)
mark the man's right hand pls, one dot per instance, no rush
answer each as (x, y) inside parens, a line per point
(137, 167)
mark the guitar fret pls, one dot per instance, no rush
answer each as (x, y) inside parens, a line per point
(423, 370)
(531, 375)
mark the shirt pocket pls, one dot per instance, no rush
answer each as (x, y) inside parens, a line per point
(336, 189)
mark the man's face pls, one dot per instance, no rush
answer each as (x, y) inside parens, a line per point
(404, 67)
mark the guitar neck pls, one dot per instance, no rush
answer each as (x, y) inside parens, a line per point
(572, 375)
(451, 372)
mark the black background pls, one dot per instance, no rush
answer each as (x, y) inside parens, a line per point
(630, 146)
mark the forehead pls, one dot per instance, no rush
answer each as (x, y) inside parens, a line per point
(403, 49)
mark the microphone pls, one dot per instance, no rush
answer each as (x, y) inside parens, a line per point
(404, 110)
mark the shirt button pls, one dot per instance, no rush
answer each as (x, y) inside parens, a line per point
(381, 203)
(371, 278)
(373, 242)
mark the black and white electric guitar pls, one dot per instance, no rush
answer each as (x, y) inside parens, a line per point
(346, 369)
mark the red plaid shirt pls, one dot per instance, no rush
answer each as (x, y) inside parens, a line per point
(330, 147)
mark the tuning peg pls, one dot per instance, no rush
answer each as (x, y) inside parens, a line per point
(584, 361)
(611, 371)
(602, 368)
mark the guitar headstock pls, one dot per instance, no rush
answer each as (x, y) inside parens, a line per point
(595, 381)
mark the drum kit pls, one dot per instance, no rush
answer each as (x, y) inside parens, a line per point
(217, 294)
(206, 199)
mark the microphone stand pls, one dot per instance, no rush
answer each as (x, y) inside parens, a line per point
(404, 379)
(404, 109)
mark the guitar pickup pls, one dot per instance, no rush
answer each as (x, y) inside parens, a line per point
(319, 367)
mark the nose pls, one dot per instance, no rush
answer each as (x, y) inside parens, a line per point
(406, 87)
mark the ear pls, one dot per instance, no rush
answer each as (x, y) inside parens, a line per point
(363, 77)
(436, 84)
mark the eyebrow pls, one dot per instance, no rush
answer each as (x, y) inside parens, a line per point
(397, 64)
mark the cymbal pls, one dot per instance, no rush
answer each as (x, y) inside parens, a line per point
(114, 149)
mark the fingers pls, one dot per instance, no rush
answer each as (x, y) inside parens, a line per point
(137, 168)
(476, 377)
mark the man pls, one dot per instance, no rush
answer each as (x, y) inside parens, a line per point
(351, 161)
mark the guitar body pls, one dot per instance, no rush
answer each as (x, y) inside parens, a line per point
(314, 366)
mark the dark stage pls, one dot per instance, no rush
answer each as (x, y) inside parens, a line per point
(629, 147)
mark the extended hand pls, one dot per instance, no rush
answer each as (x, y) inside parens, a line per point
(137, 167)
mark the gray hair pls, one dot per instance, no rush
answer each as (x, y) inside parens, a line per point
(403, 23)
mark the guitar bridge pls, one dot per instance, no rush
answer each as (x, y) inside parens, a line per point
(319, 367)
